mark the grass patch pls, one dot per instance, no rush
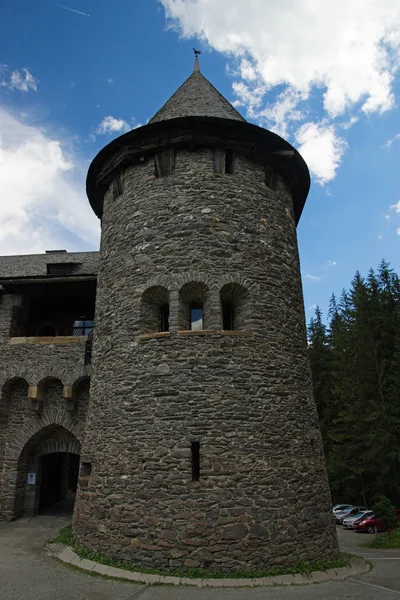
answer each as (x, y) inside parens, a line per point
(66, 537)
(385, 540)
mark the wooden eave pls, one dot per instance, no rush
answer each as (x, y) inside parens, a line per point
(193, 132)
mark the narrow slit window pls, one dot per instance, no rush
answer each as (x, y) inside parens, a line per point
(227, 316)
(165, 163)
(195, 461)
(196, 317)
(164, 318)
(219, 161)
(118, 188)
(228, 161)
(269, 176)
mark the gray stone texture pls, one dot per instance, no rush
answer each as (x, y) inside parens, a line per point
(245, 395)
(30, 265)
(197, 97)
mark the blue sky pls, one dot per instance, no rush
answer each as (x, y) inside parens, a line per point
(325, 75)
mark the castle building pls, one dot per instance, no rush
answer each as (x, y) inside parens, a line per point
(198, 444)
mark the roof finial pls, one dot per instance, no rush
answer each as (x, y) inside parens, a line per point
(196, 68)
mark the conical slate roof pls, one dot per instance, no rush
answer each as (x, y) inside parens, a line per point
(197, 97)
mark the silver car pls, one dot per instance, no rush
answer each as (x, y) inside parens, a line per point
(348, 522)
(348, 513)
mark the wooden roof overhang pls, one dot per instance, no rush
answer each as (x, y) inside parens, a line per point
(193, 132)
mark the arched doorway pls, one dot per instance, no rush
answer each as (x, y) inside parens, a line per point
(47, 473)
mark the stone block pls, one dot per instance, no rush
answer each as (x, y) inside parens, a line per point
(67, 555)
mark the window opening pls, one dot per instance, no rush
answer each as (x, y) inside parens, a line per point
(47, 331)
(164, 316)
(165, 163)
(219, 161)
(196, 317)
(223, 161)
(227, 316)
(82, 326)
(228, 161)
(269, 176)
(195, 446)
(61, 268)
(85, 469)
(118, 188)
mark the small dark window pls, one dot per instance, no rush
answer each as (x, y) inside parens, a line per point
(165, 163)
(118, 187)
(223, 161)
(196, 317)
(228, 161)
(47, 331)
(85, 469)
(61, 268)
(269, 176)
(219, 161)
(164, 314)
(227, 316)
(195, 461)
(82, 326)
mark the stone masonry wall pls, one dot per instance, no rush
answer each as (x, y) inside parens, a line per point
(46, 367)
(246, 396)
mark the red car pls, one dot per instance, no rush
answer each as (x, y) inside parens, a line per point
(371, 524)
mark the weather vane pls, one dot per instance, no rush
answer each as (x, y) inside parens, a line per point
(196, 52)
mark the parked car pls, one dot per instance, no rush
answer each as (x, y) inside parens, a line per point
(370, 524)
(348, 522)
(339, 507)
(348, 513)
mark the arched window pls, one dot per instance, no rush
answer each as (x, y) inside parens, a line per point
(164, 317)
(235, 305)
(47, 330)
(196, 316)
(228, 316)
(193, 306)
(154, 310)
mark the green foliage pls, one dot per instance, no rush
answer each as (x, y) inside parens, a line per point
(385, 540)
(385, 511)
(355, 362)
(65, 536)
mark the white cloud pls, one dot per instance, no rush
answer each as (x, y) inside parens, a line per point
(380, 237)
(43, 183)
(398, 231)
(311, 277)
(21, 80)
(347, 124)
(391, 141)
(110, 80)
(112, 125)
(321, 148)
(332, 263)
(339, 53)
(395, 207)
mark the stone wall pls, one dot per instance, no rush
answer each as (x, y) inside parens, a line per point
(30, 265)
(42, 386)
(25, 435)
(245, 395)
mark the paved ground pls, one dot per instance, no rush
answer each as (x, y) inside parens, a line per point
(27, 572)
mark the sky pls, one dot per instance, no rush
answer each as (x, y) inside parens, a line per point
(324, 74)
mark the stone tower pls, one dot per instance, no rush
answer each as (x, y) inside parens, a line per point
(202, 446)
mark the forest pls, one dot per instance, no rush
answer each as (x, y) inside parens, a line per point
(355, 362)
